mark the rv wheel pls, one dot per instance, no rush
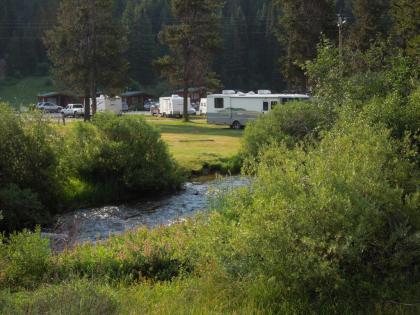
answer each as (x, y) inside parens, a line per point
(236, 125)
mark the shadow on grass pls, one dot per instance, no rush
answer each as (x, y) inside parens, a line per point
(197, 129)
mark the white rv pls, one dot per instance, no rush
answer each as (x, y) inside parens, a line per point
(109, 104)
(172, 106)
(237, 109)
(203, 107)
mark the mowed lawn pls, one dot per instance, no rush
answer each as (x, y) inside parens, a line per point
(195, 143)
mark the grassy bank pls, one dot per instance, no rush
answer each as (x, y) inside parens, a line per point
(198, 146)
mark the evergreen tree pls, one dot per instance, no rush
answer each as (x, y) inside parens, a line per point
(233, 59)
(406, 29)
(192, 41)
(372, 21)
(86, 48)
(301, 25)
(142, 46)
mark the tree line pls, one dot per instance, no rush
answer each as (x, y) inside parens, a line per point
(263, 43)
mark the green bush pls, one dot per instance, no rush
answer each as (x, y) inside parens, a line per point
(121, 156)
(291, 124)
(135, 153)
(21, 208)
(25, 260)
(329, 229)
(399, 114)
(28, 178)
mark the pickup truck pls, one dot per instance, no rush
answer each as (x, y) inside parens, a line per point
(75, 110)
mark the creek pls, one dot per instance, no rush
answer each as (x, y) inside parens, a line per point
(100, 223)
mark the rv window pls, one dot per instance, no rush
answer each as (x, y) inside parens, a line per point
(274, 104)
(284, 100)
(219, 103)
(265, 106)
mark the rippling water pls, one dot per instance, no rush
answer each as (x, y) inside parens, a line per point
(96, 224)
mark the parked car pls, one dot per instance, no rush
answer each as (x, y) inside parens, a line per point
(149, 104)
(75, 110)
(49, 107)
(154, 109)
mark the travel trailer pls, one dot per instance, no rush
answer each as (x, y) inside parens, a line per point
(237, 109)
(203, 107)
(172, 106)
(109, 104)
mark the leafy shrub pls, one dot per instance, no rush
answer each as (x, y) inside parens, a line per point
(25, 260)
(330, 229)
(21, 208)
(397, 113)
(290, 124)
(124, 154)
(28, 167)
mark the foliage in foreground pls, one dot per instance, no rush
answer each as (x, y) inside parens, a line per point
(333, 229)
(330, 226)
(288, 124)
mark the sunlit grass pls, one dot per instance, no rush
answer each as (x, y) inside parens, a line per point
(195, 143)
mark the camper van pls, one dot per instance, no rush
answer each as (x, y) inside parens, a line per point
(237, 109)
(172, 106)
(109, 104)
(203, 107)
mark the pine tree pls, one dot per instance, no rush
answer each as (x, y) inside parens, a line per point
(301, 25)
(192, 42)
(141, 51)
(233, 68)
(406, 29)
(372, 22)
(86, 48)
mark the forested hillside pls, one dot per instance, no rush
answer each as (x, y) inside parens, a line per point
(264, 41)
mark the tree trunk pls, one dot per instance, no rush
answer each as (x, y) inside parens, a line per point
(87, 106)
(186, 118)
(93, 95)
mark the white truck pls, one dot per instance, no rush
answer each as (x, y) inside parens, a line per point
(173, 106)
(75, 110)
(109, 104)
(237, 109)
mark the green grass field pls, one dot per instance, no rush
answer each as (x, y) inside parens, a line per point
(195, 143)
(21, 93)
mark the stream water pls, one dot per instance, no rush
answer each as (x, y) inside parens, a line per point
(96, 224)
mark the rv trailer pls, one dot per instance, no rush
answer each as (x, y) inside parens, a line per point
(109, 104)
(237, 109)
(172, 106)
(203, 107)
